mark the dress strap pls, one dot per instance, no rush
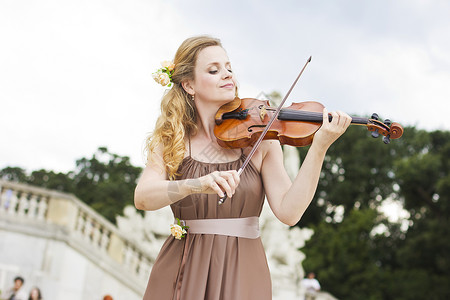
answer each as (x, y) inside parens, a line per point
(189, 139)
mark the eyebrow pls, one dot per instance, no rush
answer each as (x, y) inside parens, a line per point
(218, 64)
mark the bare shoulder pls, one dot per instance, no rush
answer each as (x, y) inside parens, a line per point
(155, 163)
(267, 148)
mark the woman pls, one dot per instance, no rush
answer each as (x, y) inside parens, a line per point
(35, 294)
(221, 255)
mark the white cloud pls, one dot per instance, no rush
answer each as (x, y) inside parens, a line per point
(76, 76)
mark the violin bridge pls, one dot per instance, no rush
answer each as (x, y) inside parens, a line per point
(262, 113)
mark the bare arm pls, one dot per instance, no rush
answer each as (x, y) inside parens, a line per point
(289, 201)
(155, 191)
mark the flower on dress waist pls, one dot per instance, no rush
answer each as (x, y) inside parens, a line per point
(177, 230)
(163, 75)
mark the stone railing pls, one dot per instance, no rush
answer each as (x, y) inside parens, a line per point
(28, 208)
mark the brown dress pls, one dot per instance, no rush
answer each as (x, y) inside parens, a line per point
(216, 267)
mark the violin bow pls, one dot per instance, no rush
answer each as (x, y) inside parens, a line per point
(263, 134)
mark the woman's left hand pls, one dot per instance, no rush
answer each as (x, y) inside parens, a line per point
(330, 131)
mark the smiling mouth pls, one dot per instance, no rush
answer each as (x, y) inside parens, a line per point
(228, 86)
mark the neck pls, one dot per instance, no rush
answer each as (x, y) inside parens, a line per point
(205, 120)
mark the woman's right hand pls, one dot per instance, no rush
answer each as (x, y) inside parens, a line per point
(219, 182)
(154, 190)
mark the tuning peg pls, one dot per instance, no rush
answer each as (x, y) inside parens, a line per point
(375, 133)
(387, 122)
(386, 139)
(374, 116)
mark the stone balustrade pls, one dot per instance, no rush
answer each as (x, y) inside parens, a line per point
(72, 221)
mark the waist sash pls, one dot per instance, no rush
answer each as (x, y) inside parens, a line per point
(238, 227)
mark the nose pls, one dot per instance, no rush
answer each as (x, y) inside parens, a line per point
(227, 73)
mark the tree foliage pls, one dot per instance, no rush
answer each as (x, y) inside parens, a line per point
(346, 265)
(353, 261)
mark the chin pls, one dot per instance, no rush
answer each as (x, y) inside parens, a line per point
(228, 99)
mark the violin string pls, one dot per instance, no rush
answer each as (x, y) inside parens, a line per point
(295, 115)
(261, 137)
(275, 115)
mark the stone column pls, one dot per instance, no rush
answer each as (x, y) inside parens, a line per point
(62, 211)
(116, 248)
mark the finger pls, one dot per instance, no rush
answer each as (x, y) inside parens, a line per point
(223, 183)
(230, 179)
(344, 119)
(339, 118)
(236, 177)
(335, 116)
(325, 120)
(348, 120)
(214, 176)
(216, 188)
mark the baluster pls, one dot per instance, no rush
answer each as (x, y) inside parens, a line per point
(127, 256)
(1, 199)
(134, 262)
(80, 223)
(144, 268)
(4, 199)
(104, 241)
(96, 234)
(12, 203)
(42, 208)
(87, 232)
(23, 204)
(32, 207)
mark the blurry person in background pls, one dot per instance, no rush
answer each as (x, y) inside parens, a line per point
(35, 294)
(16, 292)
(311, 285)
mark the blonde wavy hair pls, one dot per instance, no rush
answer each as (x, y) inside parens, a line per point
(178, 117)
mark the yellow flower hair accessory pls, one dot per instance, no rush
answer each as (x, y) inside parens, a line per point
(177, 230)
(163, 75)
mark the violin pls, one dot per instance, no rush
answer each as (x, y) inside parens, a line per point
(247, 122)
(240, 123)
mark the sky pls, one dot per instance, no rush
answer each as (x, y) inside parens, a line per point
(76, 75)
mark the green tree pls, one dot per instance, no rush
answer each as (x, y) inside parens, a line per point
(357, 172)
(106, 181)
(358, 175)
(51, 180)
(423, 256)
(13, 174)
(342, 256)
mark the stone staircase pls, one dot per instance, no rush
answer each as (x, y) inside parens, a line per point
(34, 218)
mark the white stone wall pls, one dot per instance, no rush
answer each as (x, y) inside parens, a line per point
(59, 270)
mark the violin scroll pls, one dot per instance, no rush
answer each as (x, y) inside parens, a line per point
(389, 130)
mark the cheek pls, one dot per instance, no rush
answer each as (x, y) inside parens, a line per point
(208, 82)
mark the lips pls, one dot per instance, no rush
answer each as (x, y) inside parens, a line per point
(228, 86)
